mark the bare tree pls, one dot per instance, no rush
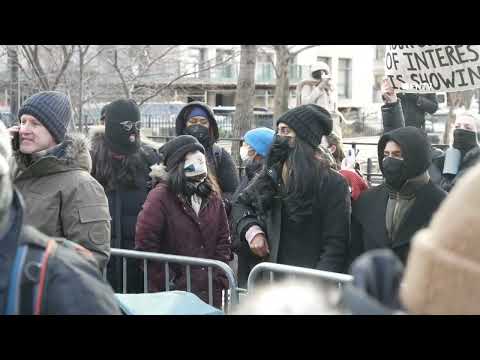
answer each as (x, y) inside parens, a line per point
(47, 64)
(12, 52)
(285, 54)
(245, 97)
(135, 70)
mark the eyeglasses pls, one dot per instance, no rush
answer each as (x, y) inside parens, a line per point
(284, 131)
(128, 125)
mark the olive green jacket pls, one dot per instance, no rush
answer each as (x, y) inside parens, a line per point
(62, 199)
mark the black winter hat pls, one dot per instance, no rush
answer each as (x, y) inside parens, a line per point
(310, 122)
(53, 109)
(416, 149)
(175, 150)
(119, 116)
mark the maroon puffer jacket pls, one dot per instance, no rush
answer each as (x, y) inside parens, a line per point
(168, 224)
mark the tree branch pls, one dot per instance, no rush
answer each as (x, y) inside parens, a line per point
(295, 53)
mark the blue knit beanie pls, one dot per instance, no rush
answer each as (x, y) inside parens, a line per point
(198, 111)
(52, 109)
(260, 139)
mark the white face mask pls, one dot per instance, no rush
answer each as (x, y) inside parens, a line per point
(195, 164)
(244, 153)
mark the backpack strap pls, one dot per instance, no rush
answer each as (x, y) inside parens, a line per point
(28, 279)
(13, 298)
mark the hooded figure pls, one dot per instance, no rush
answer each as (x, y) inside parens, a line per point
(74, 284)
(196, 119)
(184, 215)
(53, 174)
(388, 215)
(442, 276)
(297, 210)
(121, 164)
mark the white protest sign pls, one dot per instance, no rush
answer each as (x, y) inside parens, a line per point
(433, 68)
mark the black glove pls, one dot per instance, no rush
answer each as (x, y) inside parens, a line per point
(279, 151)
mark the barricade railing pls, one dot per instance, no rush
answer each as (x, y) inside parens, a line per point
(231, 297)
(273, 268)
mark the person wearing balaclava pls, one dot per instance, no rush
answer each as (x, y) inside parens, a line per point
(297, 210)
(40, 275)
(121, 164)
(197, 119)
(387, 216)
(185, 215)
(463, 153)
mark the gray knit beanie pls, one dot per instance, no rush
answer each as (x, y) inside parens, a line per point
(53, 109)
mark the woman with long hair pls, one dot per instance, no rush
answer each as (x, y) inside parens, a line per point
(297, 211)
(185, 215)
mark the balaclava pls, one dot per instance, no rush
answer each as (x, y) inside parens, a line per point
(122, 127)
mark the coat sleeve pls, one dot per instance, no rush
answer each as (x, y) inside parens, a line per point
(223, 250)
(150, 223)
(336, 228)
(227, 175)
(392, 116)
(428, 103)
(76, 287)
(86, 218)
(148, 236)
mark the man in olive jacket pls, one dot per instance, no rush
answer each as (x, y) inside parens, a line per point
(40, 274)
(53, 175)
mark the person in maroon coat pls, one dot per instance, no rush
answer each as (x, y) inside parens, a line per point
(184, 215)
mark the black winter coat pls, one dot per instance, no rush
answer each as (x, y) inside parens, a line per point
(415, 106)
(319, 242)
(369, 230)
(125, 203)
(74, 285)
(447, 182)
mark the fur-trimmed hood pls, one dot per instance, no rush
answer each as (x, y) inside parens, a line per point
(72, 153)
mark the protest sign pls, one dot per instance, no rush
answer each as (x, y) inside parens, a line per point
(433, 68)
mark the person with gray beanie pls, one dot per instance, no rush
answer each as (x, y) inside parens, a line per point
(297, 210)
(41, 275)
(52, 173)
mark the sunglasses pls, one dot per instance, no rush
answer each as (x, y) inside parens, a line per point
(128, 125)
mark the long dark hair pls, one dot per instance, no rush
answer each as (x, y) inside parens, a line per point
(305, 179)
(111, 172)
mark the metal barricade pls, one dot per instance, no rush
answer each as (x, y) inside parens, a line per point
(231, 297)
(294, 270)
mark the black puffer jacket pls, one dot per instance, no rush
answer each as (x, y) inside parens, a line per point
(74, 285)
(415, 106)
(219, 160)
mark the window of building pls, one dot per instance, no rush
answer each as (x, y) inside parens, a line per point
(225, 68)
(344, 83)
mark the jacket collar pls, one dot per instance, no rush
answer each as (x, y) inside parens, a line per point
(73, 153)
(410, 187)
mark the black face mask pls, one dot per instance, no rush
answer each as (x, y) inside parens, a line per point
(464, 140)
(394, 172)
(200, 132)
(202, 189)
(279, 150)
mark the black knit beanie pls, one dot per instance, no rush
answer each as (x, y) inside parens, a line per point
(117, 137)
(52, 109)
(175, 150)
(310, 122)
